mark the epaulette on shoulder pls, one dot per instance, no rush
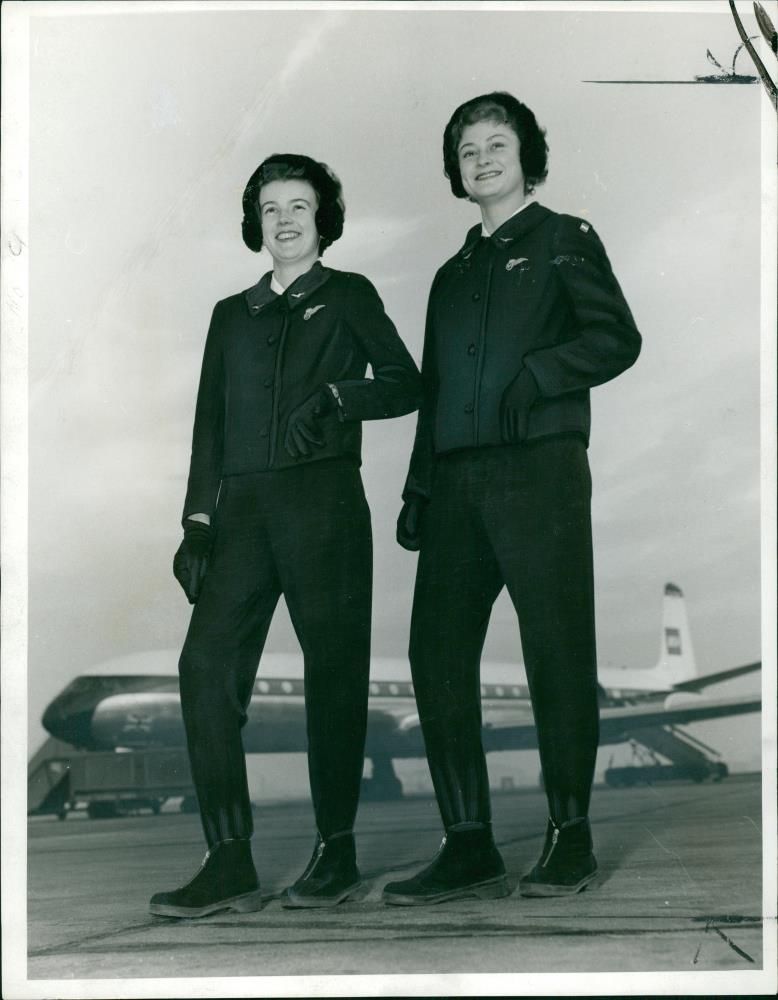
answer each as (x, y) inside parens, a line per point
(574, 224)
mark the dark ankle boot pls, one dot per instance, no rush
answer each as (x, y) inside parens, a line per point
(566, 865)
(227, 880)
(468, 864)
(331, 877)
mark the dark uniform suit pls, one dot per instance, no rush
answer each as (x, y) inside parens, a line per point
(297, 526)
(538, 296)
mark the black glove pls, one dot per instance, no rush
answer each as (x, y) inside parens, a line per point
(518, 399)
(302, 431)
(409, 523)
(190, 563)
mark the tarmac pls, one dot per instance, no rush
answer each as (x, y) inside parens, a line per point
(680, 891)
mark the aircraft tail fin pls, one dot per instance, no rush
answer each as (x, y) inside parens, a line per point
(677, 662)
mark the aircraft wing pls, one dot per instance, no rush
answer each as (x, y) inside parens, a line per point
(509, 728)
(700, 683)
(619, 724)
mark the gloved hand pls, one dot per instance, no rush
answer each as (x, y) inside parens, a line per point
(190, 562)
(302, 430)
(409, 523)
(515, 405)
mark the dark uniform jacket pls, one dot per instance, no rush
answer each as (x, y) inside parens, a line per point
(539, 292)
(265, 354)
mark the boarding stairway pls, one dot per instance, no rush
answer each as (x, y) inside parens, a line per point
(689, 758)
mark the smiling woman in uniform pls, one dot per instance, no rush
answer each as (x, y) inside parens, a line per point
(522, 322)
(275, 505)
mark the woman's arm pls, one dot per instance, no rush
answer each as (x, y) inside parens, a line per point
(395, 386)
(205, 467)
(607, 340)
(418, 482)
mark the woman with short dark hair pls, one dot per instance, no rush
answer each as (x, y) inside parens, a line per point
(497, 106)
(522, 322)
(330, 209)
(275, 505)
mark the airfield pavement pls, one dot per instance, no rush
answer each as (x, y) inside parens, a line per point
(680, 890)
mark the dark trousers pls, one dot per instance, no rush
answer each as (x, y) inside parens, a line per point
(517, 516)
(304, 533)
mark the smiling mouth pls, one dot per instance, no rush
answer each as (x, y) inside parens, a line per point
(487, 175)
(286, 236)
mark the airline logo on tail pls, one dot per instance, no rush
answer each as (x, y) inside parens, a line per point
(673, 642)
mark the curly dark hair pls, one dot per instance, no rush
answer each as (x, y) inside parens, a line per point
(291, 166)
(502, 107)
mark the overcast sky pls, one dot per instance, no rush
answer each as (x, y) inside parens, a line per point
(143, 131)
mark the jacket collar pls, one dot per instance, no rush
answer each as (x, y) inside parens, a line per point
(301, 288)
(511, 230)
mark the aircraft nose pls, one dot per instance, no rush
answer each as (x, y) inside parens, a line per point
(73, 728)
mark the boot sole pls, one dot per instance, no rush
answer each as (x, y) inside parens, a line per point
(541, 889)
(249, 902)
(291, 901)
(495, 888)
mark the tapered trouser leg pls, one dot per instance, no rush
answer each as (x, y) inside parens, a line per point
(323, 548)
(457, 581)
(519, 516)
(306, 532)
(219, 660)
(543, 543)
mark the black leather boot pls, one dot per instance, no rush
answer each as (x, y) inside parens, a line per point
(227, 880)
(331, 876)
(566, 865)
(468, 864)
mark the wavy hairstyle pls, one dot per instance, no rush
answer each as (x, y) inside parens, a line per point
(505, 108)
(331, 209)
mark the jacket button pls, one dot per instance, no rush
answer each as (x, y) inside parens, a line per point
(476, 296)
(268, 383)
(468, 408)
(263, 433)
(271, 339)
(471, 349)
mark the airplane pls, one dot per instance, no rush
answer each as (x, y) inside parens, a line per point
(132, 704)
(724, 76)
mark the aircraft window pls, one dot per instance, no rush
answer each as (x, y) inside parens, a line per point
(375, 688)
(264, 687)
(483, 690)
(287, 687)
(499, 692)
(515, 692)
(393, 689)
(409, 688)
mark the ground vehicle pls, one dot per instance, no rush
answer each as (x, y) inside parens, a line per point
(109, 783)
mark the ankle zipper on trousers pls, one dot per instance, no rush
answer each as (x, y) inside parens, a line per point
(554, 839)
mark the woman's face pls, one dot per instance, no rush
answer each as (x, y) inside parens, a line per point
(489, 162)
(287, 210)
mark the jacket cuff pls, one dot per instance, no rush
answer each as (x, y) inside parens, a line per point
(333, 390)
(416, 488)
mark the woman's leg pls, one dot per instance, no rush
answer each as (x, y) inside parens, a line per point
(541, 533)
(220, 657)
(322, 544)
(457, 582)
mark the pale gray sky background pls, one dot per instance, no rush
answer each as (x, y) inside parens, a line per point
(143, 131)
